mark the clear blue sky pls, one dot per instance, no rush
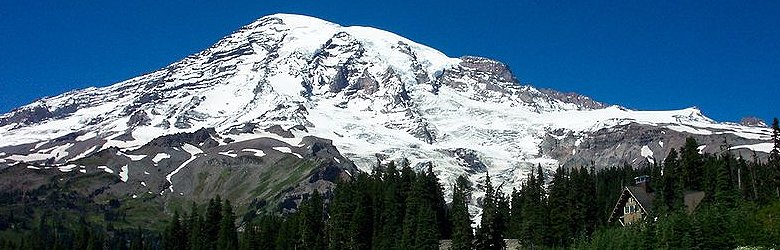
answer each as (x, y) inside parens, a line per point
(722, 56)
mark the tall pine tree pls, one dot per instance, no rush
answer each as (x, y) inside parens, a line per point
(774, 155)
(490, 234)
(462, 233)
(692, 165)
(228, 237)
(312, 225)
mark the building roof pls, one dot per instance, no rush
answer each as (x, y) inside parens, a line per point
(691, 199)
(644, 198)
(639, 194)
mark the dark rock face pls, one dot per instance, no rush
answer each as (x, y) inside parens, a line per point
(469, 159)
(139, 118)
(27, 115)
(203, 137)
(632, 144)
(583, 102)
(167, 171)
(365, 83)
(278, 130)
(494, 78)
(752, 121)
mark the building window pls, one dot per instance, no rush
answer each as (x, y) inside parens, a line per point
(630, 209)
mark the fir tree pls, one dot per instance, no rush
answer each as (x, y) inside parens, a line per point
(691, 164)
(211, 223)
(672, 188)
(340, 210)
(490, 234)
(390, 215)
(312, 226)
(774, 155)
(427, 234)
(175, 237)
(137, 242)
(195, 232)
(559, 199)
(250, 237)
(516, 220)
(414, 201)
(462, 233)
(228, 237)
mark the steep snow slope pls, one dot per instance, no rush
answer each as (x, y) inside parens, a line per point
(375, 94)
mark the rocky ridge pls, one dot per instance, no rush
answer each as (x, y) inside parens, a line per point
(376, 95)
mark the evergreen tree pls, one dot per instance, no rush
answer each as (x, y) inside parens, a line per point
(414, 201)
(427, 233)
(516, 220)
(462, 233)
(288, 235)
(340, 211)
(361, 223)
(691, 164)
(312, 226)
(725, 193)
(672, 188)
(559, 230)
(390, 214)
(774, 155)
(434, 195)
(228, 237)
(250, 237)
(137, 242)
(211, 223)
(195, 231)
(490, 234)
(534, 213)
(175, 237)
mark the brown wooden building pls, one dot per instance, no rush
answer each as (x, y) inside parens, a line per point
(636, 202)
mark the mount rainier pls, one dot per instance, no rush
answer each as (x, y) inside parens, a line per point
(290, 89)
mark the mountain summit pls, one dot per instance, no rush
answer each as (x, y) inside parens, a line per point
(376, 95)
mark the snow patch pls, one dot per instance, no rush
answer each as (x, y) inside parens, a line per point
(193, 151)
(287, 150)
(760, 147)
(228, 154)
(648, 154)
(135, 157)
(159, 157)
(67, 168)
(86, 153)
(256, 152)
(106, 169)
(123, 174)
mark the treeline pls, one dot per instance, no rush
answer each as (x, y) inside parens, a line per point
(215, 229)
(388, 209)
(399, 208)
(394, 208)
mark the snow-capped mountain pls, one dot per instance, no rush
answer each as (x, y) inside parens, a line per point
(376, 95)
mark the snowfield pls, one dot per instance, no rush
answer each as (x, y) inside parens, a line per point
(370, 91)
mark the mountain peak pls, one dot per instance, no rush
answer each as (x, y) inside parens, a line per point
(375, 94)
